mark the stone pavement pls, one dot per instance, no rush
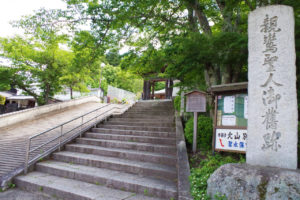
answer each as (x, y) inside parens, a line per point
(17, 194)
(13, 139)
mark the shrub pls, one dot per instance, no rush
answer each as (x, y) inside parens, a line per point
(204, 132)
(114, 100)
(124, 101)
(177, 103)
(201, 174)
(2, 100)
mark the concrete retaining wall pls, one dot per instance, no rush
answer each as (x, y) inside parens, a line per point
(183, 167)
(29, 114)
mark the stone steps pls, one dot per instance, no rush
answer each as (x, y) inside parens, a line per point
(141, 124)
(131, 138)
(132, 157)
(153, 120)
(109, 178)
(139, 128)
(151, 112)
(143, 156)
(134, 133)
(166, 149)
(70, 189)
(133, 117)
(123, 165)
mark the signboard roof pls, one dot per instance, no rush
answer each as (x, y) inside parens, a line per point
(229, 87)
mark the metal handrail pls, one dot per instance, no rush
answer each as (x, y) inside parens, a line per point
(59, 137)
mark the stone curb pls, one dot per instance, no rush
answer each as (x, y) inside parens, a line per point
(183, 167)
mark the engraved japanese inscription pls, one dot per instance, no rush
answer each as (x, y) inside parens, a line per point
(272, 107)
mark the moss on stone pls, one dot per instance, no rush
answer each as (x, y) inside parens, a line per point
(262, 189)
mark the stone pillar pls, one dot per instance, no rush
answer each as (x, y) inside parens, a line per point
(272, 110)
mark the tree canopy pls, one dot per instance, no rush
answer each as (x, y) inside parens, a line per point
(199, 42)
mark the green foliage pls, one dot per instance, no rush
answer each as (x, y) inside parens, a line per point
(205, 131)
(160, 85)
(34, 61)
(124, 101)
(2, 100)
(177, 103)
(113, 57)
(200, 175)
(114, 100)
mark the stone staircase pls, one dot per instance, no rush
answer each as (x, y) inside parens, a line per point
(132, 157)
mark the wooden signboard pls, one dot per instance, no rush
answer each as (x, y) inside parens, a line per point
(196, 101)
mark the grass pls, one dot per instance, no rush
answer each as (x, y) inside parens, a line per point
(203, 165)
(146, 193)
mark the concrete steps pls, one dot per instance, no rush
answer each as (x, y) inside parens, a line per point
(145, 116)
(109, 178)
(166, 149)
(130, 123)
(70, 189)
(124, 165)
(124, 153)
(139, 120)
(138, 128)
(131, 138)
(130, 157)
(132, 132)
(150, 112)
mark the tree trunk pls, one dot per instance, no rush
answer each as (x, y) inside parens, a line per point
(71, 92)
(226, 74)
(171, 89)
(227, 16)
(166, 89)
(191, 18)
(47, 90)
(201, 16)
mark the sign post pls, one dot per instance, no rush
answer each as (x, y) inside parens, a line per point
(195, 132)
(196, 102)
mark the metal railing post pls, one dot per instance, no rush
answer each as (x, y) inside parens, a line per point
(27, 156)
(61, 134)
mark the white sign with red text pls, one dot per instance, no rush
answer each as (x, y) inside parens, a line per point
(231, 139)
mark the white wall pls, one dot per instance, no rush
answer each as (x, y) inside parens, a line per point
(120, 94)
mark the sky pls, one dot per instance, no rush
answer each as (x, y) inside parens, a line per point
(14, 9)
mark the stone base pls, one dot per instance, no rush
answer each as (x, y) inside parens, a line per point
(243, 181)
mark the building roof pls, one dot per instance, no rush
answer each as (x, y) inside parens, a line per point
(163, 91)
(195, 91)
(20, 97)
(6, 94)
